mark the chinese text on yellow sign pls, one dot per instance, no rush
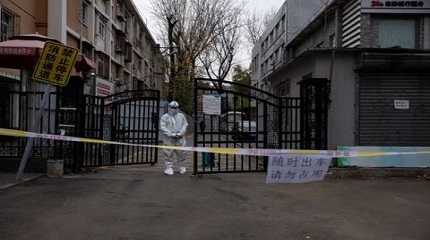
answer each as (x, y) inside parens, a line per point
(55, 64)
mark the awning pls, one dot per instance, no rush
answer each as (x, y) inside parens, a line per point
(23, 51)
(84, 64)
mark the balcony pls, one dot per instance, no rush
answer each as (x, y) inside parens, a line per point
(119, 12)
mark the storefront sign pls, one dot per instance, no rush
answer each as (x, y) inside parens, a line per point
(103, 88)
(401, 104)
(212, 104)
(55, 64)
(17, 51)
(391, 6)
(297, 168)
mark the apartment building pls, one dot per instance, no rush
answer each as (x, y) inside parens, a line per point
(361, 68)
(111, 33)
(268, 54)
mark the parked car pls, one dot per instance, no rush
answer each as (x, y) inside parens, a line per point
(233, 122)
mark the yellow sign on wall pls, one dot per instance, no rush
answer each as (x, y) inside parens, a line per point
(55, 64)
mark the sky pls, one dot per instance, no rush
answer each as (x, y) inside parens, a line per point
(244, 55)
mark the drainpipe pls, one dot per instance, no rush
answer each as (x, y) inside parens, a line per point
(333, 52)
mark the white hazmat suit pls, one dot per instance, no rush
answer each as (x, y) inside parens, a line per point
(173, 126)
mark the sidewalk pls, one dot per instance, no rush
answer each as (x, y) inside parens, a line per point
(8, 180)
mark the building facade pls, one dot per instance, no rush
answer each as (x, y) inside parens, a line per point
(366, 64)
(109, 32)
(268, 54)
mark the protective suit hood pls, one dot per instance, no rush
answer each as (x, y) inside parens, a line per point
(173, 108)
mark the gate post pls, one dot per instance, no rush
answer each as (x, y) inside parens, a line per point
(157, 127)
(195, 116)
(112, 148)
(101, 128)
(80, 153)
(280, 123)
(266, 132)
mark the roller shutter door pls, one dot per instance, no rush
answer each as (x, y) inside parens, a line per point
(380, 124)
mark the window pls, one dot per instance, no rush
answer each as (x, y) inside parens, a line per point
(103, 66)
(101, 31)
(397, 33)
(7, 25)
(84, 16)
(283, 23)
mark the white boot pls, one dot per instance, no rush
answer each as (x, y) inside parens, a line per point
(168, 171)
(182, 170)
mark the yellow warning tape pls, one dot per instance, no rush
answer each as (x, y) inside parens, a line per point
(229, 151)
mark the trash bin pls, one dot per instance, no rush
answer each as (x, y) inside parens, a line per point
(208, 160)
(55, 168)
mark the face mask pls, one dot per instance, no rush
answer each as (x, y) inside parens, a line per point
(173, 111)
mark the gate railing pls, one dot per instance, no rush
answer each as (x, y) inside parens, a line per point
(18, 111)
(128, 116)
(250, 118)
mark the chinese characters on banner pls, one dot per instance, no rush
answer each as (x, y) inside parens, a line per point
(297, 168)
(55, 64)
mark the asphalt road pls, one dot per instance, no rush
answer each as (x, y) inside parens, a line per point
(136, 203)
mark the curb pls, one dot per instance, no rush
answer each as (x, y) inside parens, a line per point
(28, 179)
(365, 173)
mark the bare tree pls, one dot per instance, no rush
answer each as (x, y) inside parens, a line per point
(217, 58)
(196, 23)
(256, 24)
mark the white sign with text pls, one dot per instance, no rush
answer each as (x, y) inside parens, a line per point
(212, 104)
(402, 104)
(297, 168)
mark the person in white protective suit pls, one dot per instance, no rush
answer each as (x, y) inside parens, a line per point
(173, 126)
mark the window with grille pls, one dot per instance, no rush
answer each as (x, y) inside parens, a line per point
(84, 14)
(101, 30)
(7, 24)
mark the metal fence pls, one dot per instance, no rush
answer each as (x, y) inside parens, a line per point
(250, 118)
(130, 117)
(19, 111)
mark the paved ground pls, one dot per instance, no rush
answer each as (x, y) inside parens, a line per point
(9, 179)
(136, 203)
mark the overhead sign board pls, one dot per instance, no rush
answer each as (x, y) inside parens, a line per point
(395, 6)
(17, 51)
(55, 64)
(103, 88)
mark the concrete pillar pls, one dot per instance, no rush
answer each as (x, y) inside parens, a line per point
(57, 20)
(426, 38)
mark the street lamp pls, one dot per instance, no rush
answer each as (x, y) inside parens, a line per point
(93, 78)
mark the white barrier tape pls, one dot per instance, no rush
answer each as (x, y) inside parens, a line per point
(229, 151)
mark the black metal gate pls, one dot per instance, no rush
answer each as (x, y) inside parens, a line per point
(127, 117)
(314, 95)
(248, 117)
